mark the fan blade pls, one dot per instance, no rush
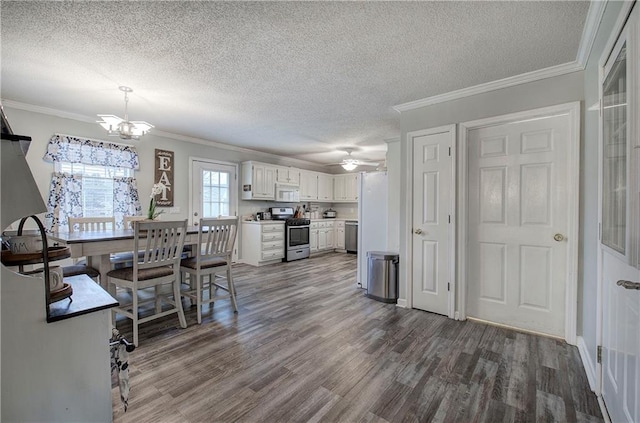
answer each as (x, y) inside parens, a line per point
(363, 163)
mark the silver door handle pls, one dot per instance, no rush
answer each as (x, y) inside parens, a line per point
(628, 284)
(417, 231)
(558, 237)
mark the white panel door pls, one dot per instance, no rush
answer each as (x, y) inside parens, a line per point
(433, 192)
(620, 222)
(517, 223)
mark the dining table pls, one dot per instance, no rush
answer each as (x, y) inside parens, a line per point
(97, 246)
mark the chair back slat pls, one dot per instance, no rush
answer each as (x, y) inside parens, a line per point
(128, 220)
(161, 242)
(217, 237)
(91, 224)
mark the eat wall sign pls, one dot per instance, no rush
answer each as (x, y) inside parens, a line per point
(164, 175)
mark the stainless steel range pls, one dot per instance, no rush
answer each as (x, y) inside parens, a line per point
(296, 232)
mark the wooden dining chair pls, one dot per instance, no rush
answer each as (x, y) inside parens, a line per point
(214, 252)
(159, 266)
(81, 224)
(92, 223)
(128, 221)
(124, 259)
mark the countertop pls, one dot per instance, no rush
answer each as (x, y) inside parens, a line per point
(87, 297)
(262, 222)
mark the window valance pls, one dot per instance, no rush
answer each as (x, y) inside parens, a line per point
(66, 148)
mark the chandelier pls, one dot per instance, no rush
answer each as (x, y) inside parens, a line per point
(123, 127)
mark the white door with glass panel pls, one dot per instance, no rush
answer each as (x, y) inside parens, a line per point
(518, 221)
(620, 226)
(214, 190)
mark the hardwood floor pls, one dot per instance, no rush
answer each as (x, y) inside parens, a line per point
(308, 346)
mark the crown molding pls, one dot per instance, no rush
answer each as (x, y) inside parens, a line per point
(156, 132)
(47, 111)
(492, 86)
(591, 25)
(590, 30)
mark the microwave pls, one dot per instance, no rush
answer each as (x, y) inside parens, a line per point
(287, 193)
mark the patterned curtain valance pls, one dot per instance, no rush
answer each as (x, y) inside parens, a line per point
(65, 148)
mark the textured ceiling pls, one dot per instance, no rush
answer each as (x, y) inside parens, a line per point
(299, 79)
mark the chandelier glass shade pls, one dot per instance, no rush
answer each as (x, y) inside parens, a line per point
(124, 128)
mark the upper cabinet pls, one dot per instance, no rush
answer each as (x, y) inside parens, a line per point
(288, 175)
(345, 187)
(258, 181)
(308, 185)
(325, 187)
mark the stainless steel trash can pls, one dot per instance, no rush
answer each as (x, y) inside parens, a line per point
(382, 276)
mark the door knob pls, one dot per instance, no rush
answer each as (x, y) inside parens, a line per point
(417, 231)
(628, 284)
(195, 214)
(558, 237)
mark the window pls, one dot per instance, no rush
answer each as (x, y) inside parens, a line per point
(91, 179)
(215, 193)
(97, 186)
(614, 155)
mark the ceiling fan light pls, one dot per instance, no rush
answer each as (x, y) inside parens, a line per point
(349, 166)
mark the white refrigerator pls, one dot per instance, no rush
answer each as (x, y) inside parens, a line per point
(372, 219)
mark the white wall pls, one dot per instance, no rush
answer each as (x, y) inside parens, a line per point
(546, 92)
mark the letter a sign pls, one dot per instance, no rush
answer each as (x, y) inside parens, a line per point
(164, 175)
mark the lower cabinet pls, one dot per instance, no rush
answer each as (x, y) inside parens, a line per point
(322, 236)
(340, 245)
(262, 242)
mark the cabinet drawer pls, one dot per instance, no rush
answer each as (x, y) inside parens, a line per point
(272, 254)
(322, 224)
(330, 225)
(272, 228)
(340, 224)
(272, 236)
(314, 225)
(273, 245)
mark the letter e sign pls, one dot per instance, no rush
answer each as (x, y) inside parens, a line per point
(164, 175)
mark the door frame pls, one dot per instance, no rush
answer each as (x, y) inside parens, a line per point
(573, 185)
(408, 263)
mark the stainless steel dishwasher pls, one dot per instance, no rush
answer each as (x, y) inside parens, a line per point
(351, 236)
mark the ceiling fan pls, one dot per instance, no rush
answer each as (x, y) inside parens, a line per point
(349, 163)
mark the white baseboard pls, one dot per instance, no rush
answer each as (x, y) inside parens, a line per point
(402, 303)
(588, 363)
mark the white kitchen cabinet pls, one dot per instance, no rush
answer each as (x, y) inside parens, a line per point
(262, 242)
(345, 187)
(322, 235)
(313, 237)
(288, 175)
(308, 185)
(339, 235)
(351, 187)
(330, 231)
(258, 181)
(325, 187)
